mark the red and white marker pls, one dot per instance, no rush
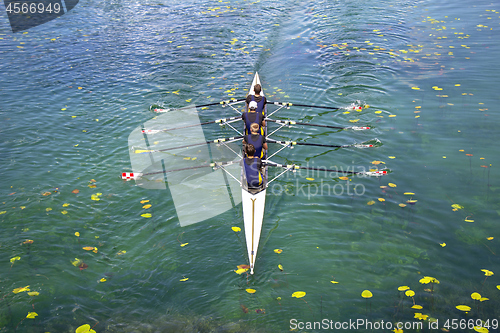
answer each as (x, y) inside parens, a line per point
(376, 173)
(130, 175)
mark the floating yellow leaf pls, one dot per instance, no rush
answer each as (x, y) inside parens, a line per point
(64, 212)
(490, 238)
(31, 315)
(467, 220)
(33, 293)
(402, 205)
(84, 329)
(147, 215)
(241, 270)
(12, 260)
(121, 252)
(333, 281)
(299, 294)
(76, 262)
(415, 88)
(370, 203)
(21, 289)
(442, 244)
(482, 299)
(411, 202)
(146, 206)
(144, 201)
(280, 267)
(487, 272)
(344, 178)
(354, 120)
(103, 280)
(457, 206)
(416, 306)
(481, 329)
(251, 291)
(236, 229)
(278, 251)
(310, 179)
(403, 288)
(392, 185)
(463, 308)
(185, 279)
(77, 234)
(377, 162)
(184, 244)
(392, 157)
(420, 316)
(88, 248)
(381, 199)
(48, 209)
(428, 279)
(96, 196)
(366, 294)
(410, 293)
(409, 193)
(475, 296)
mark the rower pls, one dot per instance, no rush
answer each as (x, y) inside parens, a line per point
(252, 165)
(260, 100)
(256, 139)
(252, 116)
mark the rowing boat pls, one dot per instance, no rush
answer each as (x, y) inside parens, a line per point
(253, 203)
(154, 155)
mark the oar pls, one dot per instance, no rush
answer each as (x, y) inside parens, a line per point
(294, 143)
(234, 138)
(286, 104)
(135, 175)
(292, 122)
(221, 121)
(297, 167)
(223, 103)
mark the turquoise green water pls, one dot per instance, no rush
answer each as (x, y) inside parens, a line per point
(73, 89)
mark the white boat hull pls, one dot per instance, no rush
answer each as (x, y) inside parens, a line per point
(253, 215)
(253, 207)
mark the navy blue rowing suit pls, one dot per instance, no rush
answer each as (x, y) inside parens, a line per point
(252, 171)
(257, 140)
(252, 117)
(261, 102)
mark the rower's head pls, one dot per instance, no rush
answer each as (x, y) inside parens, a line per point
(250, 149)
(252, 106)
(257, 89)
(254, 128)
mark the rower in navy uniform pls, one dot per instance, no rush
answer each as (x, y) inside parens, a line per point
(260, 100)
(253, 166)
(256, 139)
(252, 116)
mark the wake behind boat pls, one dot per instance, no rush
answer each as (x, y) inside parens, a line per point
(186, 175)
